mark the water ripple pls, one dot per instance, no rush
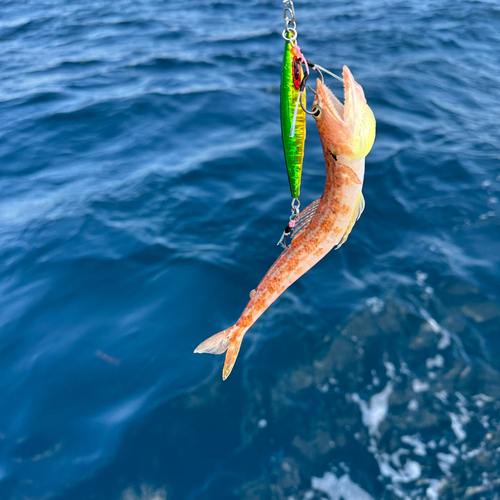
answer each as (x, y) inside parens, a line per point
(143, 191)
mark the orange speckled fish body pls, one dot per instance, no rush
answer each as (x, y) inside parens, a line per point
(322, 234)
(339, 131)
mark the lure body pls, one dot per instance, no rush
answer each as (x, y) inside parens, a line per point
(293, 117)
(347, 133)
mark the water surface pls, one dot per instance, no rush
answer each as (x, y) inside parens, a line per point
(143, 190)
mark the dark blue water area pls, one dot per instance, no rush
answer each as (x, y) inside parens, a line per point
(143, 191)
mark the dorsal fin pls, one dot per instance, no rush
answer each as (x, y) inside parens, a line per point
(356, 214)
(305, 217)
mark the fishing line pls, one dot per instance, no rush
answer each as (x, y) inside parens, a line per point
(329, 73)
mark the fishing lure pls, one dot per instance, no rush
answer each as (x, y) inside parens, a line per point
(293, 91)
(293, 118)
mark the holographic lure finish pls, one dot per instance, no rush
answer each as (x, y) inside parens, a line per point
(293, 134)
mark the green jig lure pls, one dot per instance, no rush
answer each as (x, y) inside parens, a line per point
(293, 117)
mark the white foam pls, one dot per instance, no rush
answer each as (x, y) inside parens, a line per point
(462, 402)
(457, 426)
(403, 368)
(482, 399)
(374, 412)
(442, 396)
(436, 362)
(473, 453)
(375, 304)
(421, 277)
(147, 493)
(395, 457)
(445, 340)
(323, 388)
(433, 491)
(458, 421)
(485, 421)
(419, 386)
(413, 405)
(489, 213)
(433, 324)
(390, 370)
(445, 461)
(418, 446)
(339, 489)
(410, 472)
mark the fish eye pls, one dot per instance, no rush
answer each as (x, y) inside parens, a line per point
(296, 73)
(316, 111)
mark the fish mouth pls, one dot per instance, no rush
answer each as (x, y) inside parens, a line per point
(353, 96)
(348, 128)
(326, 100)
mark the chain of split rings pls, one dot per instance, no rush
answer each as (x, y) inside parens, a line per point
(290, 31)
(295, 208)
(291, 223)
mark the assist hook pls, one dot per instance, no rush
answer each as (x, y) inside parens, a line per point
(303, 85)
(320, 70)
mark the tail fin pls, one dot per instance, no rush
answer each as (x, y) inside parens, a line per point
(228, 340)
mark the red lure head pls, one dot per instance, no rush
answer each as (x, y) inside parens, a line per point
(296, 72)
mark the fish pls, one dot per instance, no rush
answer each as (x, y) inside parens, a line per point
(293, 117)
(347, 133)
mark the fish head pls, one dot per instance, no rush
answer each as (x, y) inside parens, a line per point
(347, 130)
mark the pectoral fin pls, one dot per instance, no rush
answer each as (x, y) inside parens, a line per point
(356, 214)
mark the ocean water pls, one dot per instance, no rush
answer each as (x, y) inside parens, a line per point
(143, 191)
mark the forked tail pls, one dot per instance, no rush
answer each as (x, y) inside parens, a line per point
(228, 340)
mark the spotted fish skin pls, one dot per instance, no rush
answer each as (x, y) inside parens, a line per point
(347, 132)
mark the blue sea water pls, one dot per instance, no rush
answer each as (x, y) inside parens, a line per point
(143, 191)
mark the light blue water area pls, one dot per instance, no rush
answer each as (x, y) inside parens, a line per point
(143, 191)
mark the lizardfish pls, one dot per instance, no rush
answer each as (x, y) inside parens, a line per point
(347, 133)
